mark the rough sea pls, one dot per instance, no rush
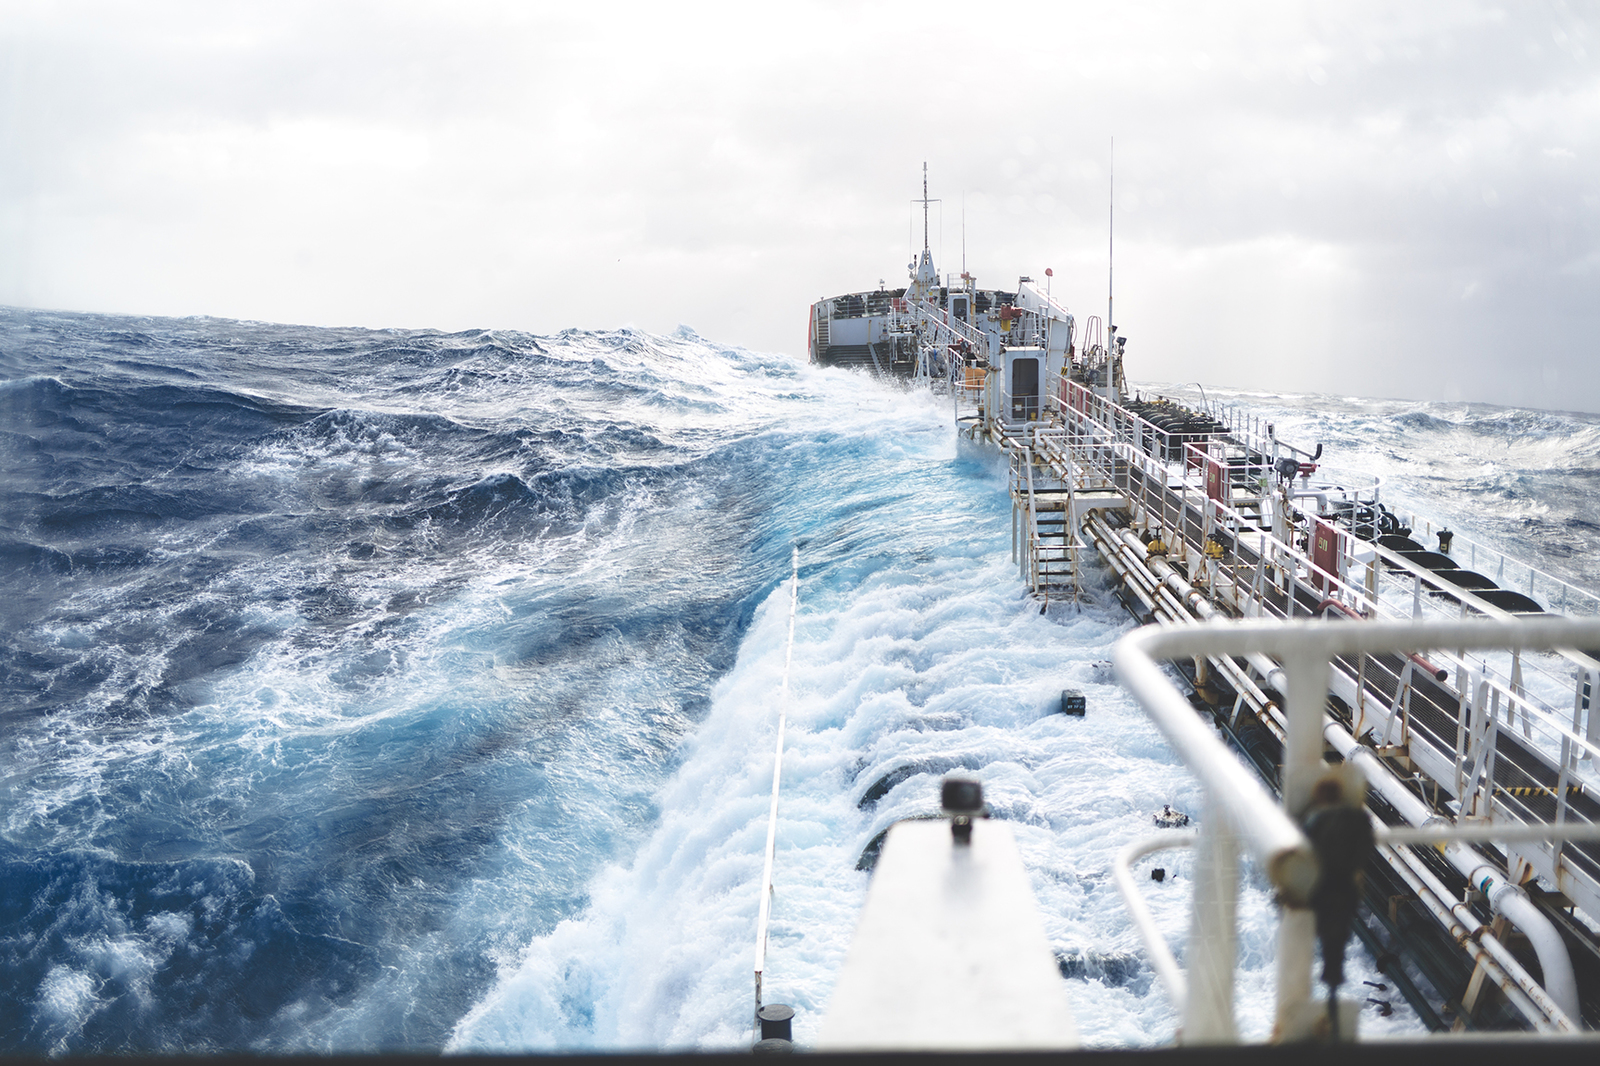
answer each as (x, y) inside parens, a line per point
(403, 689)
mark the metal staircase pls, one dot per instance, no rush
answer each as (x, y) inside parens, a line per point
(1045, 542)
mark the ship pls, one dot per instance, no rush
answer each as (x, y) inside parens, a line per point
(1414, 705)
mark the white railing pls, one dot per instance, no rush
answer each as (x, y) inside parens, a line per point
(1507, 572)
(940, 321)
(1249, 428)
(764, 916)
(1240, 814)
(1371, 579)
(941, 336)
(1243, 561)
(1028, 293)
(1553, 701)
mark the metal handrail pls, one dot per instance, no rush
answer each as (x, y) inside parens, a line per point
(1560, 592)
(940, 319)
(1557, 591)
(1104, 452)
(1275, 552)
(1271, 836)
(764, 917)
(1161, 957)
(1306, 648)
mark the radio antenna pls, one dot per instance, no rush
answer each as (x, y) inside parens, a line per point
(1111, 240)
(925, 201)
(924, 205)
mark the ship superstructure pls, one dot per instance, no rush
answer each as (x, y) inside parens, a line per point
(939, 328)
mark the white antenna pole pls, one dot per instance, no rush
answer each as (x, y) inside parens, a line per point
(924, 205)
(927, 255)
(963, 233)
(1111, 243)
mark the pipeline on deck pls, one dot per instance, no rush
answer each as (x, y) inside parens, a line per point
(1217, 523)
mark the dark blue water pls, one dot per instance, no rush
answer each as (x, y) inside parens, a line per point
(297, 624)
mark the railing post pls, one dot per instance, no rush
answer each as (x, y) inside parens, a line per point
(1212, 951)
(1591, 720)
(1307, 671)
(1401, 702)
(1297, 933)
(1305, 650)
(1491, 745)
(1013, 509)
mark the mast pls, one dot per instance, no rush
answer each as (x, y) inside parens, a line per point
(923, 277)
(924, 206)
(1113, 371)
(927, 253)
(1111, 246)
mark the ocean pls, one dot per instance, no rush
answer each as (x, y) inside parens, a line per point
(398, 689)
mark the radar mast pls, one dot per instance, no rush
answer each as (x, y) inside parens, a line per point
(924, 278)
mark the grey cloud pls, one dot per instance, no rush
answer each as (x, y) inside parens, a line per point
(1403, 195)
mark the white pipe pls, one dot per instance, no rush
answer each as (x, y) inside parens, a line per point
(1505, 899)
(1113, 552)
(1554, 961)
(1442, 832)
(1498, 953)
(1137, 653)
(1518, 986)
(1196, 602)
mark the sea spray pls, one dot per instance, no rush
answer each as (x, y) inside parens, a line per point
(925, 661)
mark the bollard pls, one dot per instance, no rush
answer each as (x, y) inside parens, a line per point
(775, 1019)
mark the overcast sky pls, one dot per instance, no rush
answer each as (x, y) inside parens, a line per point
(1382, 199)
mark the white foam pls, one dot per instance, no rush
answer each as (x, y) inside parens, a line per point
(918, 648)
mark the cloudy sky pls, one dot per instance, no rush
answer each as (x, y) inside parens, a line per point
(1382, 199)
